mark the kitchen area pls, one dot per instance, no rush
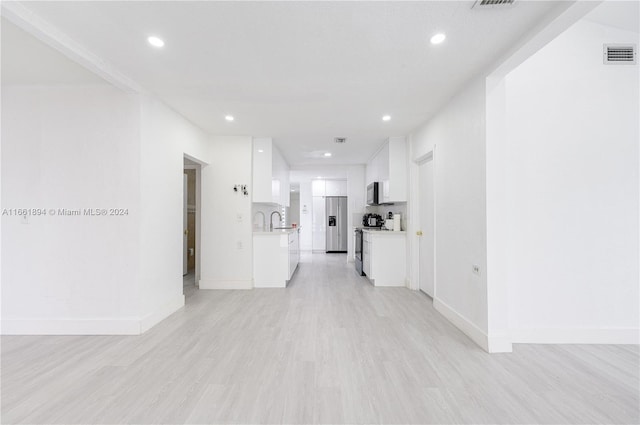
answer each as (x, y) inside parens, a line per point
(355, 211)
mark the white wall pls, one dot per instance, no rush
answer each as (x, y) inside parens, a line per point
(93, 147)
(70, 147)
(165, 138)
(571, 166)
(306, 216)
(294, 210)
(226, 224)
(458, 132)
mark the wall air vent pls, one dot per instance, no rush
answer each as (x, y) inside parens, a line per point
(488, 4)
(619, 54)
(340, 140)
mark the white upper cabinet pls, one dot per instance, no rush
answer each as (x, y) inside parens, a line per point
(262, 167)
(271, 183)
(318, 188)
(336, 187)
(389, 168)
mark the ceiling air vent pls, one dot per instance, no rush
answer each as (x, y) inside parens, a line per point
(620, 54)
(492, 3)
(340, 140)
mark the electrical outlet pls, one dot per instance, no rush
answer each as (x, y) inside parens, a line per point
(239, 218)
(239, 244)
(475, 269)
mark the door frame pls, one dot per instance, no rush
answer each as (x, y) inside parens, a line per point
(198, 167)
(185, 225)
(415, 225)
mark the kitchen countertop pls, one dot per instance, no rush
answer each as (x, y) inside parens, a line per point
(277, 231)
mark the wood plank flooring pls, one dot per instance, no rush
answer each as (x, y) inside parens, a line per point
(330, 348)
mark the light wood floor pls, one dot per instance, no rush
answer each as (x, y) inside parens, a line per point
(328, 349)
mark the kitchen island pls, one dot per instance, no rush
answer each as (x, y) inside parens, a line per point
(276, 255)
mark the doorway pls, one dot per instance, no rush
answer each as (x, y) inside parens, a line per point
(427, 234)
(190, 222)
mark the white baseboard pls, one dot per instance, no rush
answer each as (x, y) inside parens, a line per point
(124, 326)
(127, 326)
(387, 283)
(225, 284)
(470, 329)
(576, 336)
(166, 310)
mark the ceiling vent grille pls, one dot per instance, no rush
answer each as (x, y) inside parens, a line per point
(489, 4)
(340, 140)
(620, 54)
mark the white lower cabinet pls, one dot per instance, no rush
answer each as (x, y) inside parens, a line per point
(366, 249)
(294, 252)
(275, 258)
(384, 257)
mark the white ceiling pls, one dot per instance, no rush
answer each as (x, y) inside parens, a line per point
(624, 15)
(300, 72)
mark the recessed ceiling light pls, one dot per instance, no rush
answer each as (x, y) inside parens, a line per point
(319, 177)
(327, 154)
(260, 150)
(229, 117)
(155, 41)
(293, 190)
(386, 118)
(438, 38)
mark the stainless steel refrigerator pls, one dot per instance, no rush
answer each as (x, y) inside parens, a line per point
(336, 223)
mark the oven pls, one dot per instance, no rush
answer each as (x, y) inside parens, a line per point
(358, 252)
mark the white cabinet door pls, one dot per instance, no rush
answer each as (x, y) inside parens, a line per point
(389, 168)
(366, 259)
(285, 189)
(336, 187)
(294, 252)
(331, 187)
(318, 188)
(366, 254)
(275, 191)
(262, 171)
(319, 228)
(368, 173)
(292, 266)
(342, 188)
(383, 163)
(397, 166)
(280, 179)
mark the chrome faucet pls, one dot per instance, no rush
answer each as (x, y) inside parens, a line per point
(264, 224)
(271, 220)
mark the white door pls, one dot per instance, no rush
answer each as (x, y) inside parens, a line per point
(185, 226)
(427, 224)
